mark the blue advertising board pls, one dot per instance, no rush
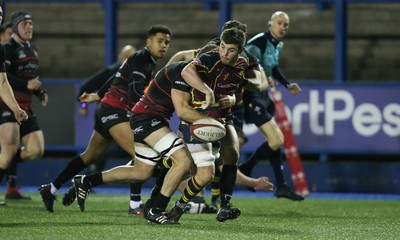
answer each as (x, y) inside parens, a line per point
(341, 118)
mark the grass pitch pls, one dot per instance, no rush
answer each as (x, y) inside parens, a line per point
(106, 217)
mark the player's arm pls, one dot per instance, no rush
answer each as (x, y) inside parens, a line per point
(181, 101)
(182, 56)
(7, 95)
(261, 183)
(191, 77)
(254, 80)
(294, 88)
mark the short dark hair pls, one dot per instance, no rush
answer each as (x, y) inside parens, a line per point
(154, 29)
(234, 36)
(4, 27)
(235, 24)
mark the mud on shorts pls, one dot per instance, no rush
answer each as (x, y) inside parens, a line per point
(26, 127)
(107, 116)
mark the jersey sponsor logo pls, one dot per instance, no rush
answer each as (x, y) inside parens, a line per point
(155, 122)
(229, 85)
(108, 118)
(181, 83)
(138, 129)
(21, 54)
(6, 113)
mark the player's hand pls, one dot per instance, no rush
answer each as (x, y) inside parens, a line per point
(271, 81)
(43, 98)
(20, 115)
(263, 184)
(34, 84)
(83, 111)
(227, 101)
(89, 97)
(210, 99)
(294, 88)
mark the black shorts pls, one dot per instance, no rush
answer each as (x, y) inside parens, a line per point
(108, 116)
(258, 107)
(26, 127)
(144, 124)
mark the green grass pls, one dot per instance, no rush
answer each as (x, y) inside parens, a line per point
(262, 218)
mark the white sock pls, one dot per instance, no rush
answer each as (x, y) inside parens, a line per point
(53, 189)
(135, 204)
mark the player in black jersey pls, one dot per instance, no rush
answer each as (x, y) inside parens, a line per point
(7, 96)
(117, 97)
(95, 81)
(153, 140)
(22, 71)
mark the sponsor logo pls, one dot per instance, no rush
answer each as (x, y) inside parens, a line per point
(212, 135)
(138, 129)
(6, 113)
(154, 122)
(229, 85)
(21, 54)
(338, 106)
(181, 83)
(108, 118)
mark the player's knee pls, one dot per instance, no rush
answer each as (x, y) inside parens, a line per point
(276, 143)
(33, 154)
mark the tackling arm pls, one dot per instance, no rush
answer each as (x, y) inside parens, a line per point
(181, 100)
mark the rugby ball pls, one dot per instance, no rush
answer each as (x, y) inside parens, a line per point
(207, 130)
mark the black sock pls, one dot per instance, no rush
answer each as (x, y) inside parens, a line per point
(228, 179)
(74, 167)
(136, 189)
(261, 153)
(160, 203)
(277, 167)
(93, 180)
(159, 182)
(2, 173)
(17, 157)
(11, 175)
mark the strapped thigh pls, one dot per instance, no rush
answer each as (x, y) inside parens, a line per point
(202, 154)
(147, 155)
(168, 144)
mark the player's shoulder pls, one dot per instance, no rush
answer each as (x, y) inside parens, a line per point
(8, 44)
(258, 40)
(141, 57)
